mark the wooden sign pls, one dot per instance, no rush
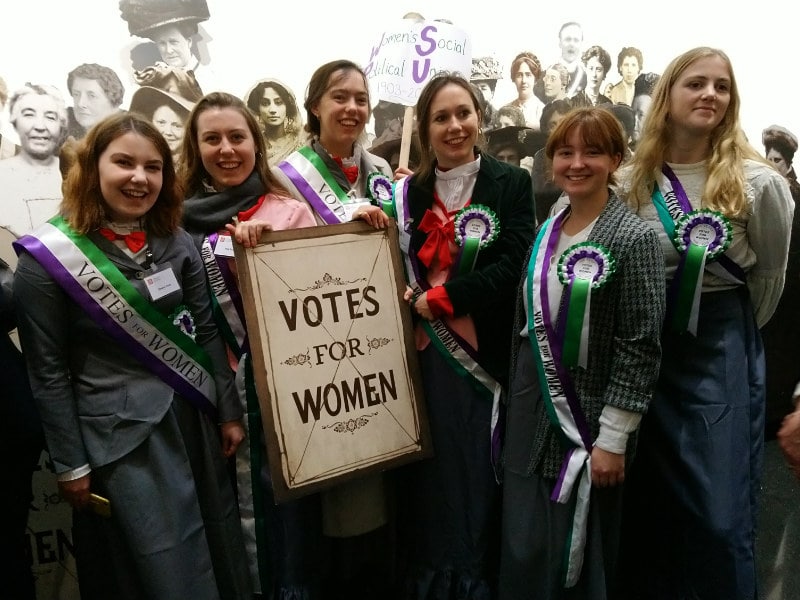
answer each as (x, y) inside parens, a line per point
(333, 354)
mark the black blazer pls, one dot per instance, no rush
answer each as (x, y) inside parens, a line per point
(487, 293)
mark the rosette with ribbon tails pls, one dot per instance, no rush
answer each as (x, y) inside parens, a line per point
(379, 191)
(700, 236)
(476, 227)
(581, 268)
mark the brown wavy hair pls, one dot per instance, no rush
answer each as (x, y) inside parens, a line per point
(424, 102)
(321, 81)
(598, 128)
(191, 171)
(83, 206)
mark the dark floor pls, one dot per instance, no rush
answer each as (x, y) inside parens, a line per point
(778, 542)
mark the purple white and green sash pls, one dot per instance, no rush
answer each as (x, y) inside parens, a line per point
(701, 238)
(229, 317)
(547, 337)
(312, 178)
(456, 351)
(96, 285)
(226, 301)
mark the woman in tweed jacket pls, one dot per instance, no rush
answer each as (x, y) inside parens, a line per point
(575, 400)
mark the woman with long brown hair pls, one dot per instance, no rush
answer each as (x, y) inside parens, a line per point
(129, 374)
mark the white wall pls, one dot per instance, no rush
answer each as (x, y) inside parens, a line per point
(252, 39)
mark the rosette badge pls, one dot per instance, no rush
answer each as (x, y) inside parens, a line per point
(587, 262)
(704, 228)
(476, 228)
(701, 236)
(582, 268)
(379, 188)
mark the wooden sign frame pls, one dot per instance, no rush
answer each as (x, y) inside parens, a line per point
(333, 353)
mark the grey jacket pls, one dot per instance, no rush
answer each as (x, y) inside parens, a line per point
(96, 401)
(624, 340)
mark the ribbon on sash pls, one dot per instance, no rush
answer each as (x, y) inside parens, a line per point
(701, 238)
(581, 268)
(561, 401)
(226, 302)
(476, 227)
(98, 287)
(310, 175)
(455, 350)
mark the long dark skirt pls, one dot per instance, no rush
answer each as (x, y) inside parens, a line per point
(536, 529)
(174, 529)
(283, 541)
(690, 509)
(448, 506)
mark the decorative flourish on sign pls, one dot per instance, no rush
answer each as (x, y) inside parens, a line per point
(298, 359)
(376, 343)
(350, 425)
(327, 280)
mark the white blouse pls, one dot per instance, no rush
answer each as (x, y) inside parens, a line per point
(454, 187)
(760, 242)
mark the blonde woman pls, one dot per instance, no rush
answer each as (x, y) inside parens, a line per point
(723, 216)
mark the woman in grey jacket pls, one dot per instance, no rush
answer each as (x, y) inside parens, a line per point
(584, 364)
(130, 377)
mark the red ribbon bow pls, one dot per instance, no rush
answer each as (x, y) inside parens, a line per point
(135, 240)
(350, 172)
(438, 242)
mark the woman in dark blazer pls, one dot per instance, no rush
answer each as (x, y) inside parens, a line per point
(465, 220)
(580, 380)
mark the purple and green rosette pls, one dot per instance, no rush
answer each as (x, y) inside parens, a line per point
(379, 192)
(700, 236)
(476, 227)
(582, 268)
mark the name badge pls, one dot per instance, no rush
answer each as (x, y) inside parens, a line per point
(224, 246)
(161, 282)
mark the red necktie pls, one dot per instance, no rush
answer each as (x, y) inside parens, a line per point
(438, 242)
(350, 172)
(135, 240)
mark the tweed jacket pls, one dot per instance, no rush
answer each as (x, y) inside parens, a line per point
(624, 350)
(96, 401)
(487, 292)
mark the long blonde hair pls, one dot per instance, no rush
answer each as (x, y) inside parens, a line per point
(725, 185)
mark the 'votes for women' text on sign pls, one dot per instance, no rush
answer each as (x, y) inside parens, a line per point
(333, 354)
(409, 53)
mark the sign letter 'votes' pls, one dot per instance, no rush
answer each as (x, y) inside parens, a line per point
(409, 53)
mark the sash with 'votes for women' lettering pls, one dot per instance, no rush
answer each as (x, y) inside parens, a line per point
(309, 174)
(456, 351)
(560, 398)
(98, 287)
(226, 301)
